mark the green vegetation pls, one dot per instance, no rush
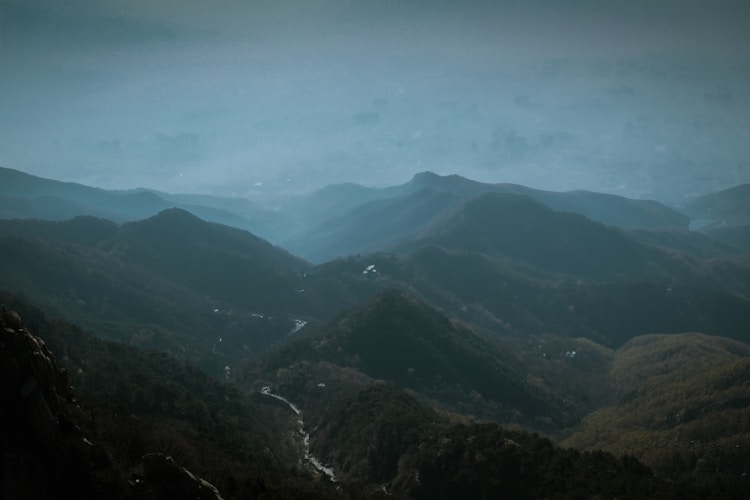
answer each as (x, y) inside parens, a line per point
(134, 402)
(681, 406)
(172, 283)
(401, 340)
(365, 431)
(499, 312)
(379, 437)
(485, 461)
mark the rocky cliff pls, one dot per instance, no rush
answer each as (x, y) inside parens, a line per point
(45, 454)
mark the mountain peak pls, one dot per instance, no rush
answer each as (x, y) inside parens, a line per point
(173, 218)
(428, 178)
(392, 309)
(520, 227)
(398, 338)
(175, 214)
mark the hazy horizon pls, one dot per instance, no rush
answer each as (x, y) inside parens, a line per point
(642, 99)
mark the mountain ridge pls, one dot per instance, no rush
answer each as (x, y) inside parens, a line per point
(383, 443)
(24, 195)
(296, 220)
(477, 333)
(395, 338)
(352, 234)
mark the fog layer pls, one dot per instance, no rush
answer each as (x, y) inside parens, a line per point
(644, 99)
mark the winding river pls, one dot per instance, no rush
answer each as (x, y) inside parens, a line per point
(328, 471)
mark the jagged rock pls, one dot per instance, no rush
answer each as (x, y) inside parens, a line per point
(42, 452)
(11, 320)
(166, 480)
(31, 383)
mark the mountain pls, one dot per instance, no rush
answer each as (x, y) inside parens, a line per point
(389, 446)
(734, 236)
(401, 340)
(365, 381)
(219, 295)
(82, 230)
(383, 365)
(38, 430)
(374, 226)
(211, 293)
(50, 199)
(723, 215)
(400, 214)
(134, 424)
(520, 228)
(606, 208)
(204, 255)
(694, 244)
(503, 296)
(46, 452)
(332, 222)
(680, 406)
(729, 207)
(24, 196)
(184, 427)
(329, 202)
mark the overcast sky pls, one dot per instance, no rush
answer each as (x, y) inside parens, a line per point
(240, 97)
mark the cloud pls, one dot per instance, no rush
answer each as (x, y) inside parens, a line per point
(60, 26)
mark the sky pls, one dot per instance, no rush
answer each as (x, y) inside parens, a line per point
(647, 99)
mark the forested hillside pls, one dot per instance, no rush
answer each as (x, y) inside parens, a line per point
(493, 347)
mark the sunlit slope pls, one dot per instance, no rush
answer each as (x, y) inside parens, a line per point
(682, 406)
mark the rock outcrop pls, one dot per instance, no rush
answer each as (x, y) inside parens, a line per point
(164, 479)
(35, 389)
(36, 432)
(43, 452)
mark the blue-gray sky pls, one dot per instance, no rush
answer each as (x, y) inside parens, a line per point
(641, 98)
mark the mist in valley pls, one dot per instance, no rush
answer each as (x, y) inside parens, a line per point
(263, 99)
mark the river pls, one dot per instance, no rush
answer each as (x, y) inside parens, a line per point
(319, 466)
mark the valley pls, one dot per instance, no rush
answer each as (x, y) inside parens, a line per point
(439, 337)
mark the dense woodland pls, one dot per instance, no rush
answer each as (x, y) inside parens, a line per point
(504, 349)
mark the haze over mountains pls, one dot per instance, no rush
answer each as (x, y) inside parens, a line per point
(438, 302)
(394, 249)
(642, 98)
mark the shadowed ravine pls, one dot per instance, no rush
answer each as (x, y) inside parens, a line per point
(319, 466)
